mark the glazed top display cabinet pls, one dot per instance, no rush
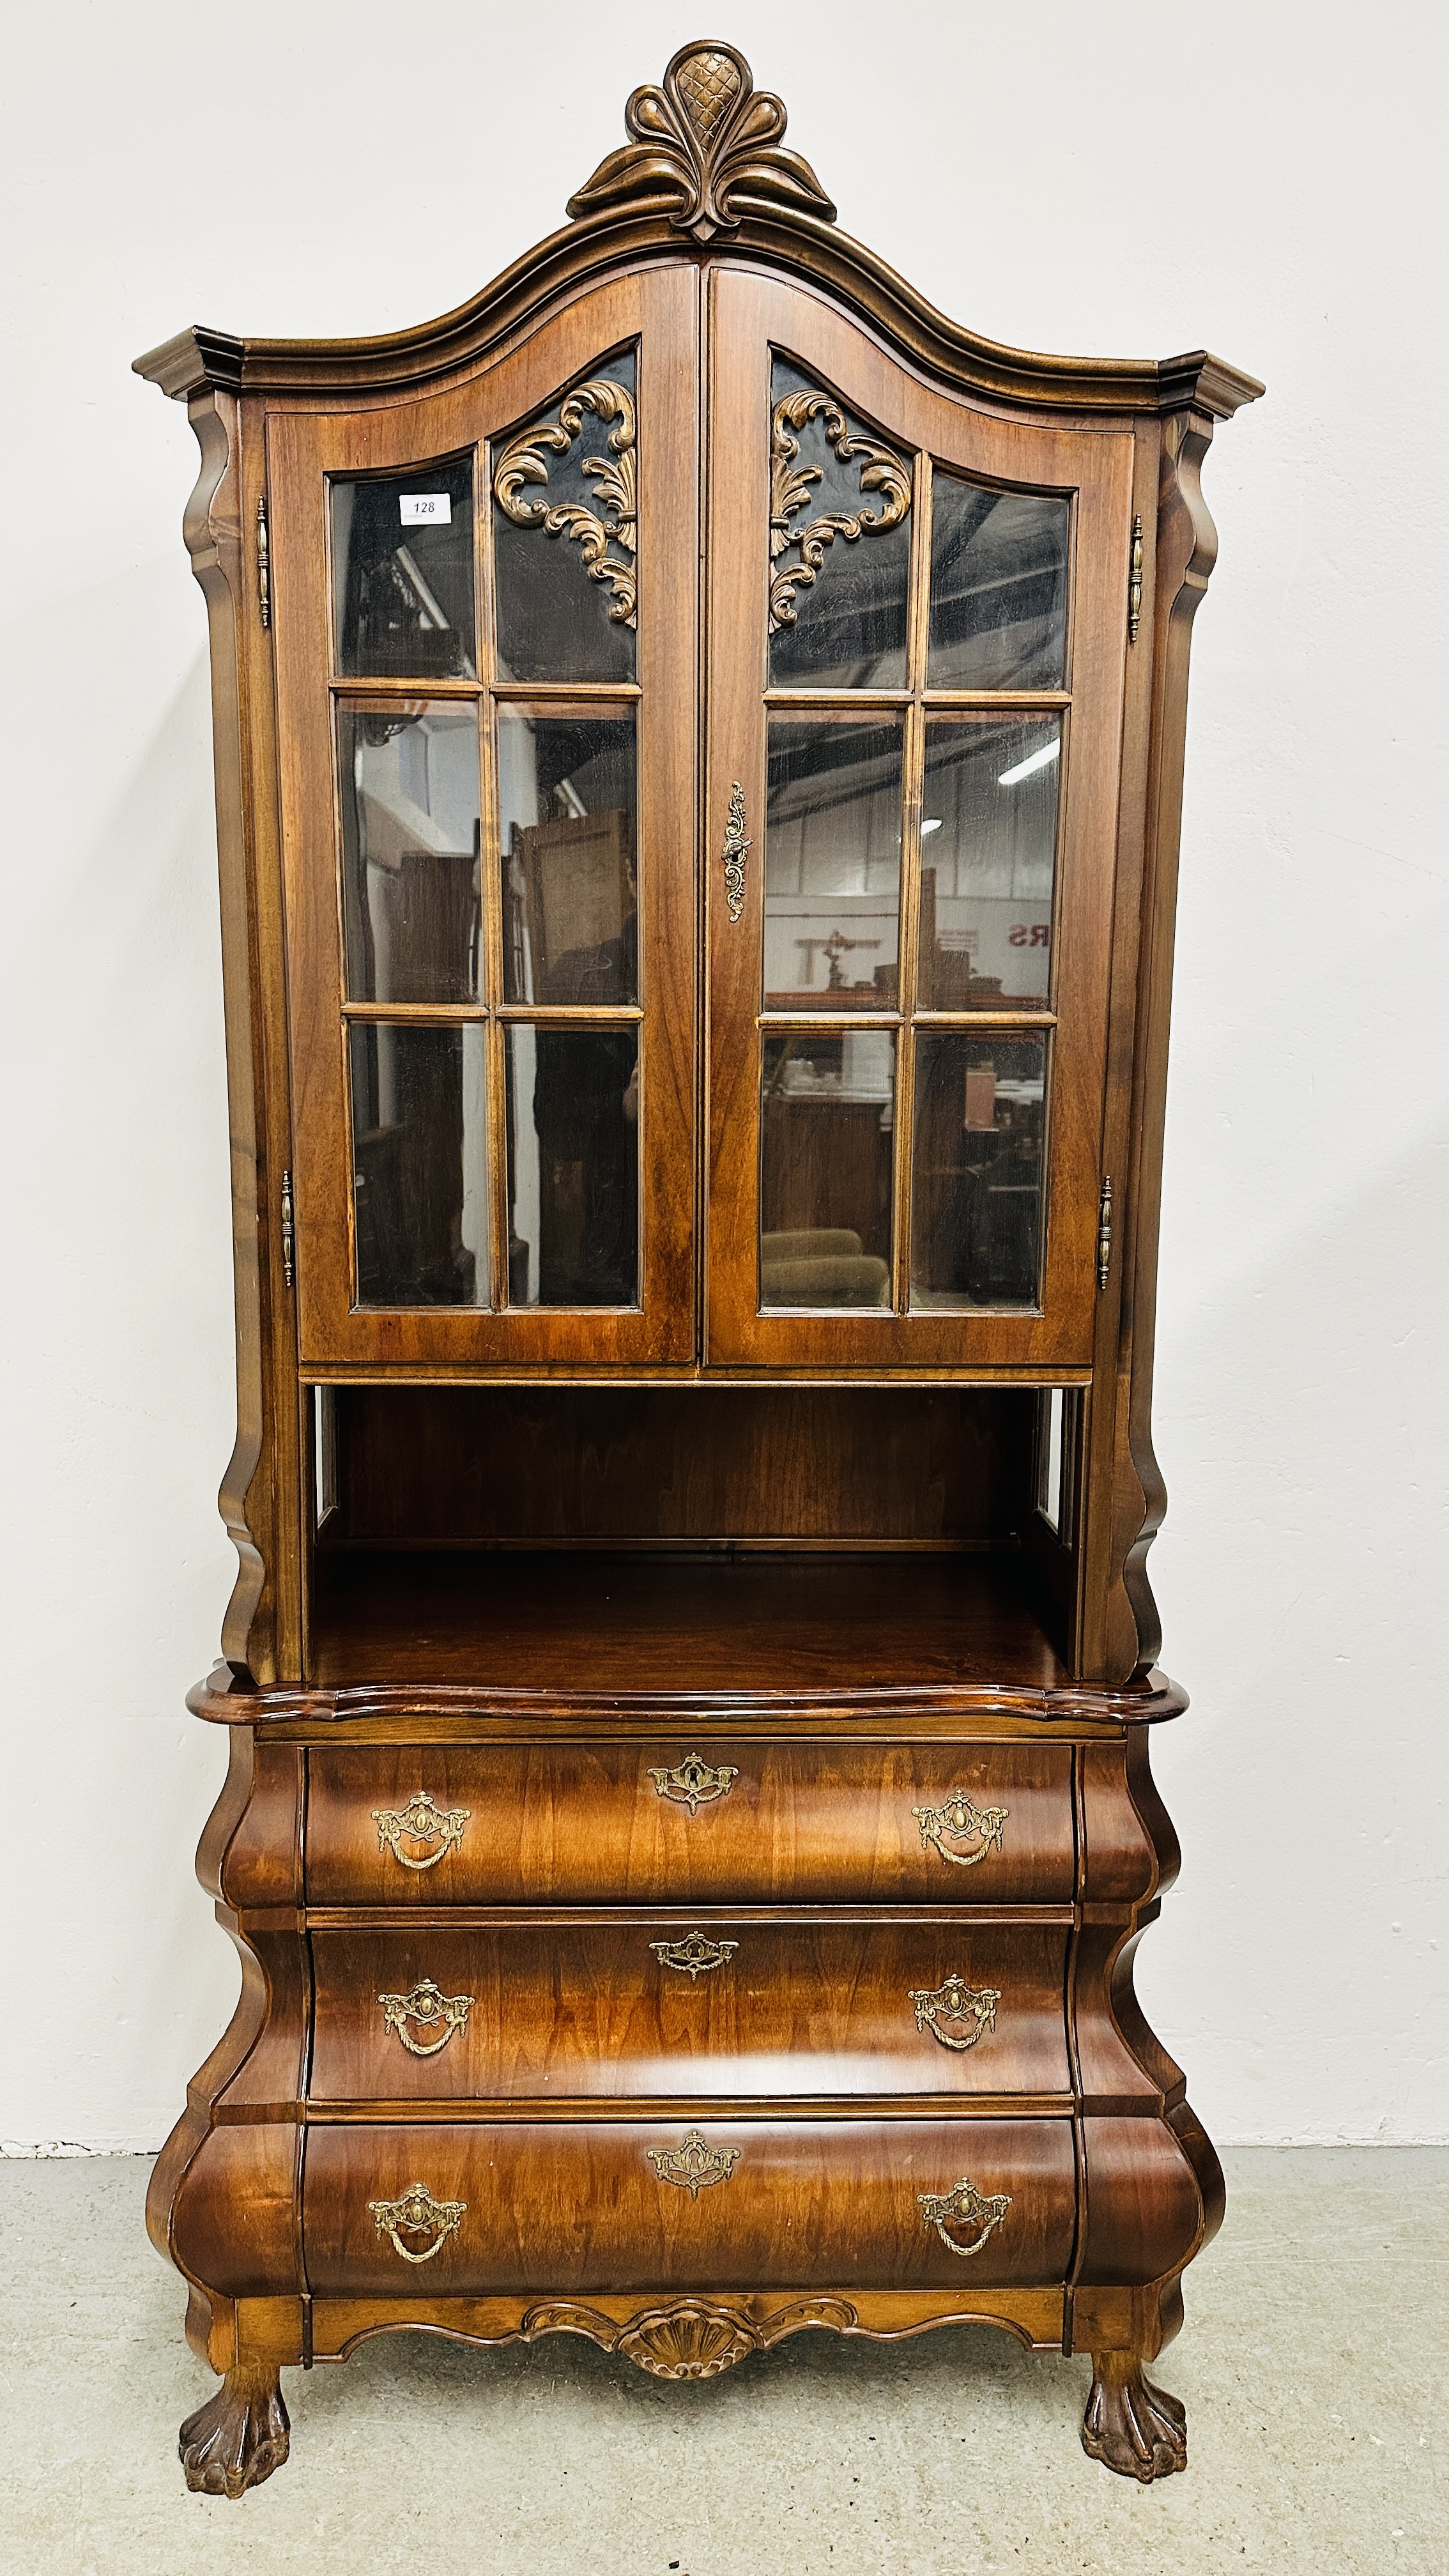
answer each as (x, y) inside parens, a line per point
(699, 762)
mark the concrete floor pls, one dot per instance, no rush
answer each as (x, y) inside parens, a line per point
(1313, 2367)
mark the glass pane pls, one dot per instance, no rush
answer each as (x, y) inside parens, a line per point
(840, 544)
(564, 535)
(573, 1166)
(420, 1164)
(408, 779)
(977, 1170)
(826, 1119)
(998, 587)
(566, 808)
(988, 864)
(402, 559)
(833, 867)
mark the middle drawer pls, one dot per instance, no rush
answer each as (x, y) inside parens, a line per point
(689, 2007)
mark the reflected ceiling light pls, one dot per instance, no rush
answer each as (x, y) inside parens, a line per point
(931, 824)
(1038, 760)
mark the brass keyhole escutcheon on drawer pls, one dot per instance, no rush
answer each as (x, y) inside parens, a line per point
(963, 2207)
(959, 1819)
(420, 1821)
(972, 2008)
(694, 1783)
(694, 1956)
(417, 2214)
(429, 2006)
(694, 2164)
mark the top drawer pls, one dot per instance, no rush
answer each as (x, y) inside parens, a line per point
(690, 1819)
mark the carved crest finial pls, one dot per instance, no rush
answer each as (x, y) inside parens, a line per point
(708, 139)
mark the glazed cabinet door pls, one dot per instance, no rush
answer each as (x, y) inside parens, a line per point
(916, 643)
(485, 620)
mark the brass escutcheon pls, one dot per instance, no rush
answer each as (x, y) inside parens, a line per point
(420, 1821)
(694, 1955)
(429, 2005)
(957, 1816)
(974, 2006)
(693, 2164)
(694, 1783)
(415, 2214)
(968, 2208)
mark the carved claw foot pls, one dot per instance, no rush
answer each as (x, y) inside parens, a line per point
(239, 2436)
(1129, 2425)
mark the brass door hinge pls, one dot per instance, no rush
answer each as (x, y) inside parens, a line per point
(1104, 1231)
(1134, 584)
(264, 563)
(289, 1231)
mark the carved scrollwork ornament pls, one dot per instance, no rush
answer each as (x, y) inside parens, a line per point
(791, 491)
(524, 461)
(708, 141)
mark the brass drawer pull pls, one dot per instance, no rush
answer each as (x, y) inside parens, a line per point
(693, 2165)
(966, 2207)
(417, 2214)
(694, 1956)
(429, 2005)
(958, 1817)
(974, 2006)
(420, 1821)
(694, 1783)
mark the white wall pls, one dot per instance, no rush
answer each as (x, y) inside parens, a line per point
(1118, 178)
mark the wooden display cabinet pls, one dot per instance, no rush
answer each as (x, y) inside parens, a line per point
(699, 756)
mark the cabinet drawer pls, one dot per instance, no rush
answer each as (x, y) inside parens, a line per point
(663, 2007)
(584, 2206)
(588, 1823)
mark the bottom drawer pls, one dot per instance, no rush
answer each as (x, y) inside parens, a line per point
(450, 2210)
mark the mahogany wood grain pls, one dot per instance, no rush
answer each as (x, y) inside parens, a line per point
(803, 1823)
(580, 2207)
(799, 2008)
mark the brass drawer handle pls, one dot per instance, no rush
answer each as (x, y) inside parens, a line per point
(694, 1956)
(417, 2214)
(695, 1783)
(966, 2207)
(735, 852)
(693, 2164)
(958, 1817)
(420, 1821)
(429, 2005)
(975, 2006)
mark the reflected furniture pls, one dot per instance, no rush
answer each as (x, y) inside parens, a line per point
(699, 748)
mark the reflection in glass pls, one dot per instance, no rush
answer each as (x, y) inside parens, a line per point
(998, 587)
(846, 627)
(832, 866)
(826, 1120)
(988, 863)
(566, 800)
(977, 1170)
(420, 1164)
(408, 783)
(554, 621)
(573, 1166)
(402, 556)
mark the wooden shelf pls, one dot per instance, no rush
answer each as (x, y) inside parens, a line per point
(601, 1621)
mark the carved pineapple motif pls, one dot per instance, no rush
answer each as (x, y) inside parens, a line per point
(709, 84)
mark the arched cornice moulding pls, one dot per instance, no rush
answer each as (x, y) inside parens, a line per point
(704, 175)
